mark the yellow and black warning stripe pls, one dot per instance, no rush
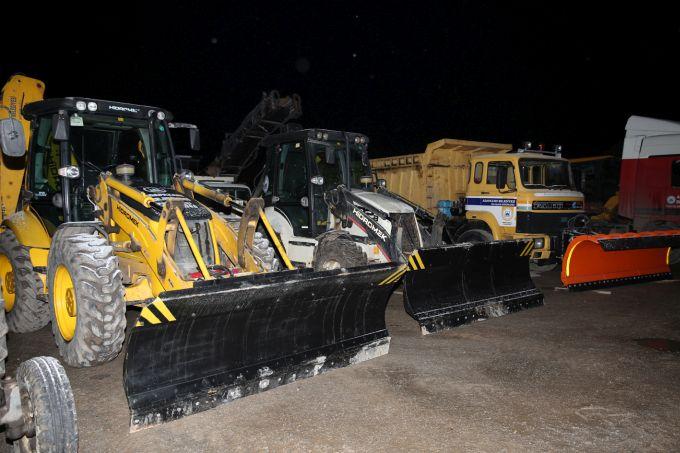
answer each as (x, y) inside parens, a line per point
(396, 275)
(415, 263)
(155, 313)
(527, 248)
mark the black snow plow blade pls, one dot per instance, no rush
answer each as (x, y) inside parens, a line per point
(445, 287)
(194, 349)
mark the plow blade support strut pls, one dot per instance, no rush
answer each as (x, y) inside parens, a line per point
(600, 260)
(453, 285)
(194, 349)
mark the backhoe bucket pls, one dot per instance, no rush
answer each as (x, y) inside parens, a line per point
(445, 287)
(600, 260)
(194, 349)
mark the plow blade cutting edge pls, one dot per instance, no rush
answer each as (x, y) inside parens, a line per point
(225, 339)
(445, 287)
(599, 260)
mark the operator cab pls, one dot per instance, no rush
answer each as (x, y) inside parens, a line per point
(76, 139)
(303, 165)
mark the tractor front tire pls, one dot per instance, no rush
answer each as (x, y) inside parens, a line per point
(87, 300)
(21, 286)
(336, 251)
(48, 407)
(3, 338)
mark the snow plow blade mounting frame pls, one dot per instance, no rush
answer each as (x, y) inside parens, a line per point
(448, 286)
(601, 260)
(194, 349)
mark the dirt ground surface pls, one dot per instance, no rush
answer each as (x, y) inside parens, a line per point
(565, 376)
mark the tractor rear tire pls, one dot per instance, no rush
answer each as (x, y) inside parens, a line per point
(87, 304)
(338, 250)
(3, 338)
(48, 406)
(21, 286)
(475, 236)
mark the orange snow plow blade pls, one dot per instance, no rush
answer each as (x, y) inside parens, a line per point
(596, 260)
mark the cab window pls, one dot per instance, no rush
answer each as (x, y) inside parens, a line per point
(292, 177)
(291, 186)
(479, 168)
(495, 168)
(675, 173)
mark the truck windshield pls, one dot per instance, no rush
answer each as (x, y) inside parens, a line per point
(545, 173)
(329, 160)
(98, 143)
(336, 167)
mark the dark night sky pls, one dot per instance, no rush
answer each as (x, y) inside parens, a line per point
(403, 75)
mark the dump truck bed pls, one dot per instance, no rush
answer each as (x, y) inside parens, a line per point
(440, 173)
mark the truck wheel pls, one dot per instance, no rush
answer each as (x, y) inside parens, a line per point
(543, 266)
(48, 407)
(674, 257)
(86, 296)
(475, 235)
(337, 251)
(21, 286)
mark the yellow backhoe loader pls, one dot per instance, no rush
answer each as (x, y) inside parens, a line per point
(91, 226)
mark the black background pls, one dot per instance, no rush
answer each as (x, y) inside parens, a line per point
(404, 74)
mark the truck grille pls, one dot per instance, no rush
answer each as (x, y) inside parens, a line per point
(542, 223)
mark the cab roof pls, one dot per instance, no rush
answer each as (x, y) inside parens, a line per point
(304, 134)
(103, 107)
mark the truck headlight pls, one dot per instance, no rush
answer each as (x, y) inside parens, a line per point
(539, 243)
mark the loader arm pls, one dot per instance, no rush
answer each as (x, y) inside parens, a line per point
(346, 207)
(17, 92)
(148, 223)
(185, 184)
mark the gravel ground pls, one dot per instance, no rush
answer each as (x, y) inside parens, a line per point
(565, 376)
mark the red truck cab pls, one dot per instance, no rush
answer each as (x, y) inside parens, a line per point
(649, 191)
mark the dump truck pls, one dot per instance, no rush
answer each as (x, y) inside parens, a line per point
(487, 192)
(92, 227)
(644, 214)
(321, 201)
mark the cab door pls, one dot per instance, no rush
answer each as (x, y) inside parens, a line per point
(485, 201)
(290, 186)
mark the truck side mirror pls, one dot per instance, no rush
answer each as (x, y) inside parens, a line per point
(501, 178)
(12, 139)
(194, 139)
(382, 183)
(60, 126)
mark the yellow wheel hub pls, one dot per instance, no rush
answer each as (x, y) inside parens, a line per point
(65, 305)
(7, 281)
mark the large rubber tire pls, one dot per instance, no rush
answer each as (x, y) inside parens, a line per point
(3, 338)
(28, 313)
(540, 268)
(99, 298)
(475, 235)
(338, 250)
(48, 405)
(674, 257)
